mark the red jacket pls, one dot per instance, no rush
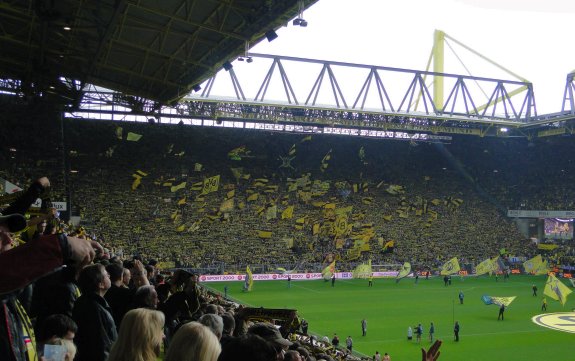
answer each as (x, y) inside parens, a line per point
(19, 267)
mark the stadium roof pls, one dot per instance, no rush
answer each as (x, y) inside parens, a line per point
(158, 50)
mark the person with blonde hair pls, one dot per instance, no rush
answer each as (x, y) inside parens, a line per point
(194, 342)
(140, 337)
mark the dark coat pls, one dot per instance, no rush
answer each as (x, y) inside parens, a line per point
(96, 328)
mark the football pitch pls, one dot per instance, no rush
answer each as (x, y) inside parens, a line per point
(390, 308)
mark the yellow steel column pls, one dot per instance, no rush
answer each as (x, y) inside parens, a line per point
(438, 57)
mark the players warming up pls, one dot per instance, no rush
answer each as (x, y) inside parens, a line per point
(364, 327)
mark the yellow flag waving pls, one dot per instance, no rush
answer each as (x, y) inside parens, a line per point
(542, 269)
(288, 212)
(531, 265)
(450, 267)
(133, 137)
(178, 187)
(325, 161)
(484, 267)
(249, 279)
(404, 271)
(211, 184)
(556, 290)
(328, 271)
(363, 270)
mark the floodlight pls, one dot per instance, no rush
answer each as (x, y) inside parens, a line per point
(196, 88)
(271, 35)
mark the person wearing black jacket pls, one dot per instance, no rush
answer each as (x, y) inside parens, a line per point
(96, 327)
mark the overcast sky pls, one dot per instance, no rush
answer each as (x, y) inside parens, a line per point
(531, 38)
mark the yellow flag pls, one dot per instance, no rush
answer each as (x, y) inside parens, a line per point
(305, 139)
(182, 201)
(264, 234)
(484, 267)
(119, 131)
(531, 265)
(227, 205)
(136, 182)
(299, 223)
(367, 200)
(353, 253)
(211, 184)
(556, 289)
(288, 213)
(450, 267)
(388, 247)
(404, 271)
(543, 268)
(178, 187)
(328, 271)
(315, 228)
(260, 182)
(325, 161)
(249, 279)
(181, 228)
(198, 167)
(363, 270)
(395, 189)
(133, 137)
(271, 212)
(253, 197)
(340, 225)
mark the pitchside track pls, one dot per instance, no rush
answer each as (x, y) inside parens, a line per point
(390, 308)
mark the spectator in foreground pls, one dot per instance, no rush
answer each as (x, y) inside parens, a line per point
(140, 337)
(193, 342)
(96, 326)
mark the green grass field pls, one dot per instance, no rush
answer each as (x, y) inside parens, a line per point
(390, 308)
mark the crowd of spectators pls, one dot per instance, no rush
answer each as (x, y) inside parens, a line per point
(96, 167)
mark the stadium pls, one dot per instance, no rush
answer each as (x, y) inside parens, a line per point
(271, 211)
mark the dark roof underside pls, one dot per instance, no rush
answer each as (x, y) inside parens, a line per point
(155, 49)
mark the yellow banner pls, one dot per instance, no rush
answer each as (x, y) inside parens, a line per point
(547, 247)
(211, 184)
